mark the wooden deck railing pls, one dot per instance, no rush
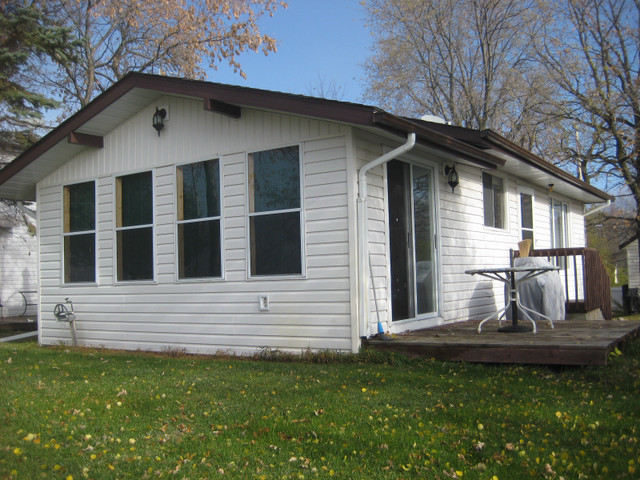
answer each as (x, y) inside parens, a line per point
(586, 282)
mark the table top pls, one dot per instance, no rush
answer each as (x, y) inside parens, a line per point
(512, 269)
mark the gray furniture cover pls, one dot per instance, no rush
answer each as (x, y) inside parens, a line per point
(544, 293)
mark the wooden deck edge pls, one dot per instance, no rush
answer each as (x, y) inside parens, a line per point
(499, 354)
(19, 326)
(630, 335)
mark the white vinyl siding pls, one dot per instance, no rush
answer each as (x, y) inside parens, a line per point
(467, 243)
(378, 276)
(633, 264)
(221, 314)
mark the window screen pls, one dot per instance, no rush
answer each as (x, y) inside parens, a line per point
(493, 192)
(79, 233)
(134, 227)
(275, 213)
(526, 217)
(198, 205)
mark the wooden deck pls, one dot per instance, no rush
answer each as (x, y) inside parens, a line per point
(571, 342)
(20, 324)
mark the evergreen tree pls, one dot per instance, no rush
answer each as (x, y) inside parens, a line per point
(27, 40)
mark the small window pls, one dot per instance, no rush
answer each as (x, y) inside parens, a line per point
(493, 197)
(275, 213)
(134, 227)
(526, 217)
(198, 203)
(559, 224)
(79, 233)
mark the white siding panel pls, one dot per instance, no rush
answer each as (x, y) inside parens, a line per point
(467, 244)
(220, 314)
(368, 149)
(633, 264)
(106, 236)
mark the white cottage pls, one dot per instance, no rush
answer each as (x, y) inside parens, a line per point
(631, 247)
(251, 219)
(18, 265)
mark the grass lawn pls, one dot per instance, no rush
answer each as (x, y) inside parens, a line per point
(80, 413)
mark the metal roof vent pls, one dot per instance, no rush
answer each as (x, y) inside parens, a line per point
(433, 119)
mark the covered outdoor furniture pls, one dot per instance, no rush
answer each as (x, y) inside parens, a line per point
(544, 293)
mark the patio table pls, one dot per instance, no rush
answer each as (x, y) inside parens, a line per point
(509, 276)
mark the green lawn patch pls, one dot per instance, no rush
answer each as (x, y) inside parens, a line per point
(80, 413)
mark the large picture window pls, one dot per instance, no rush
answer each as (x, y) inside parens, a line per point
(198, 205)
(79, 233)
(134, 227)
(275, 213)
(493, 199)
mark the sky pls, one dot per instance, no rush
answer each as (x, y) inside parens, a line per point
(320, 42)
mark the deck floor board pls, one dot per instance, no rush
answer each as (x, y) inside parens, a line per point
(569, 343)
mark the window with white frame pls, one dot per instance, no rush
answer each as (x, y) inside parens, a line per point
(79, 232)
(198, 218)
(559, 224)
(275, 212)
(526, 217)
(134, 227)
(493, 200)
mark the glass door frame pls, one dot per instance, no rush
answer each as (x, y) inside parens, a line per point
(434, 172)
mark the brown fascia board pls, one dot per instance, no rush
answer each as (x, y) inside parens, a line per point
(343, 112)
(486, 139)
(64, 130)
(441, 141)
(507, 146)
(333, 110)
(464, 134)
(256, 98)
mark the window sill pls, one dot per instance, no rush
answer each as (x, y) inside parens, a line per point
(495, 229)
(79, 284)
(296, 276)
(200, 280)
(135, 282)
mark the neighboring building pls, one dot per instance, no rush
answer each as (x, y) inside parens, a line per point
(18, 261)
(633, 262)
(260, 219)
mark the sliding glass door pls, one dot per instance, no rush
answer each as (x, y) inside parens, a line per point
(412, 240)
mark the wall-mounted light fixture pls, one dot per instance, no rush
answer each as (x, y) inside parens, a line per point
(550, 187)
(452, 177)
(158, 119)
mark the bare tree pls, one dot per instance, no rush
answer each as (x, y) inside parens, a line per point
(469, 61)
(591, 52)
(176, 37)
(324, 88)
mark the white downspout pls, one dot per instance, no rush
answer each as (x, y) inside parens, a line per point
(597, 209)
(363, 241)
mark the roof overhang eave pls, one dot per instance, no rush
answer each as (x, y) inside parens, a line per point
(505, 148)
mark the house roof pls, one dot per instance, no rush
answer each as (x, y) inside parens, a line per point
(86, 129)
(628, 242)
